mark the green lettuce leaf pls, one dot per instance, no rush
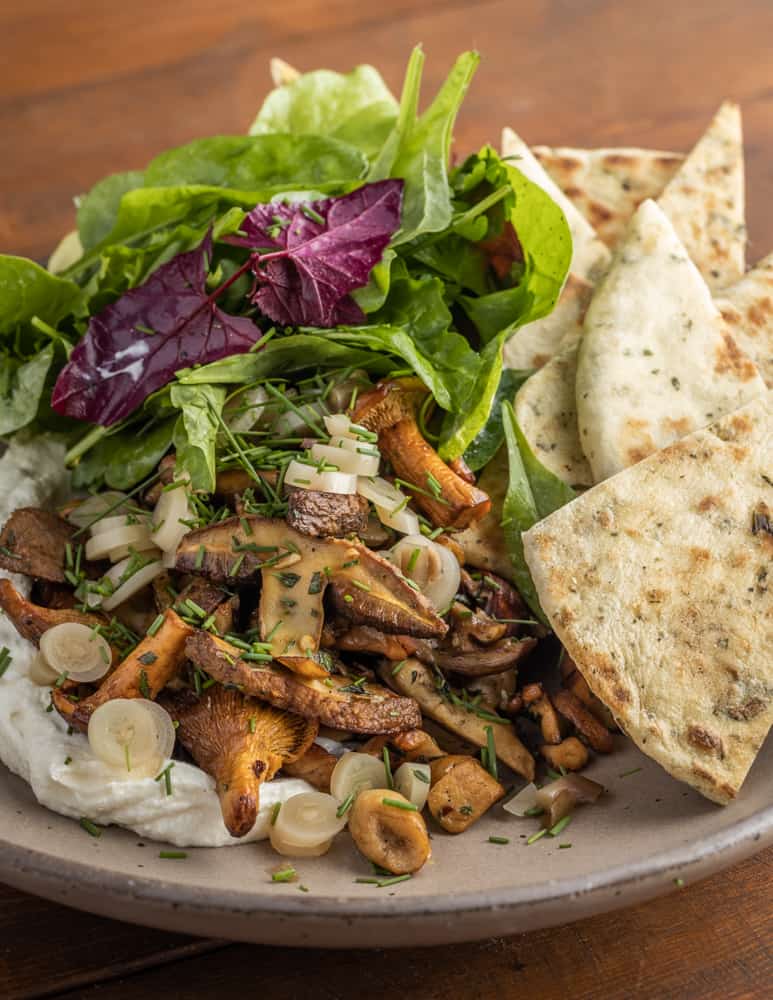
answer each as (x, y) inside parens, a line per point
(262, 163)
(98, 209)
(123, 459)
(418, 148)
(21, 387)
(195, 433)
(533, 492)
(489, 439)
(27, 290)
(466, 421)
(357, 108)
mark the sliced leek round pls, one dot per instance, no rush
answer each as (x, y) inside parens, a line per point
(309, 819)
(339, 425)
(308, 477)
(413, 781)
(347, 459)
(127, 586)
(75, 650)
(126, 535)
(432, 567)
(354, 772)
(171, 511)
(95, 507)
(130, 736)
(289, 850)
(40, 672)
(405, 521)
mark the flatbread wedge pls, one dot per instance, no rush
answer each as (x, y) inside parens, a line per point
(608, 185)
(747, 308)
(534, 344)
(590, 257)
(546, 411)
(705, 200)
(656, 360)
(659, 582)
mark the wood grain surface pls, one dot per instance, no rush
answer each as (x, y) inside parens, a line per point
(88, 88)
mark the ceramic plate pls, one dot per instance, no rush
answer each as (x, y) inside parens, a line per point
(647, 836)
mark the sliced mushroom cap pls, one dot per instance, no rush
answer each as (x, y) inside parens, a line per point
(326, 515)
(392, 837)
(296, 571)
(584, 721)
(369, 708)
(241, 742)
(34, 542)
(462, 791)
(143, 674)
(390, 410)
(31, 620)
(559, 798)
(486, 660)
(418, 681)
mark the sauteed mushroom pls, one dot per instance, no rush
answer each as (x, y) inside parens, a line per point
(462, 791)
(34, 542)
(394, 837)
(31, 620)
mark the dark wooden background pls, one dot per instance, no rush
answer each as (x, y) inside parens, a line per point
(90, 87)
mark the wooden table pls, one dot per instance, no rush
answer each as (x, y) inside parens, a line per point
(87, 88)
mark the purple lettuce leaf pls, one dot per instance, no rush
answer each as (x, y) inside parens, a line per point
(319, 252)
(134, 346)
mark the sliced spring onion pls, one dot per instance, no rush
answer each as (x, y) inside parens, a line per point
(355, 772)
(171, 511)
(308, 477)
(346, 460)
(433, 567)
(412, 780)
(134, 535)
(132, 585)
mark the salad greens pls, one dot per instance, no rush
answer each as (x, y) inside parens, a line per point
(334, 238)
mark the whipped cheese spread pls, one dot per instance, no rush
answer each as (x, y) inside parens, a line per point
(63, 773)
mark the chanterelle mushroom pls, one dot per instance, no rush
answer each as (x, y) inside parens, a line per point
(241, 742)
(336, 702)
(296, 571)
(143, 674)
(390, 410)
(32, 620)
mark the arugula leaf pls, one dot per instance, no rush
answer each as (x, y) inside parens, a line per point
(267, 163)
(98, 209)
(357, 108)
(489, 439)
(21, 386)
(135, 346)
(320, 252)
(195, 433)
(27, 290)
(533, 492)
(123, 459)
(284, 356)
(418, 148)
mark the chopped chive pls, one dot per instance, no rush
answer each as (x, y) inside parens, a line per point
(562, 824)
(5, 660)
(200, 557)
(563, 847)
(627, 774)
(390, 781)
(166, 776)
(398, 667)
(412, 561)
(491, 754)
(309, 212)
(536, 836)
(251, 725)
(553, 774)
(679, 882)
(407, 806)
(173, 855)
(67, 761)
(245, 525)
(367, 881)
(393, 881)
(434, 485)
(361, 586)
(346, 805)
(61, 679)
(303, 888)
(499, 840)
(348, 598)
(285, 875)
(158, 621)
(143, 685)
(236, 565)
(8, 554)
(275, 812)
(194, 608)
(534, 811)
(91, 828)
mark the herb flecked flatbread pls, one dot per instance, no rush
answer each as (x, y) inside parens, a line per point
(659, 582)
(608, 185)
(747, 308)
(534, 344)
(656, 360)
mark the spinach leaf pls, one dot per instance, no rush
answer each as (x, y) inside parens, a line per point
(465, 422)
(21, 386)
(546, 242)
(489, 439)
(357, 108)
(195, 433)
(285, 356)
(123, 459)
(533, 492)
(372, 297)
(418, 148)
(26, 290)
(98, 209)
(266, 163)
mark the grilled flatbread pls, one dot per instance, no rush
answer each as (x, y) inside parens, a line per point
(705, 200)
(534, 344)
(656, 361)
(608, 185)
(282, 72)
(659, 582)
(546, 412)
(747, 308)
(590, 257)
